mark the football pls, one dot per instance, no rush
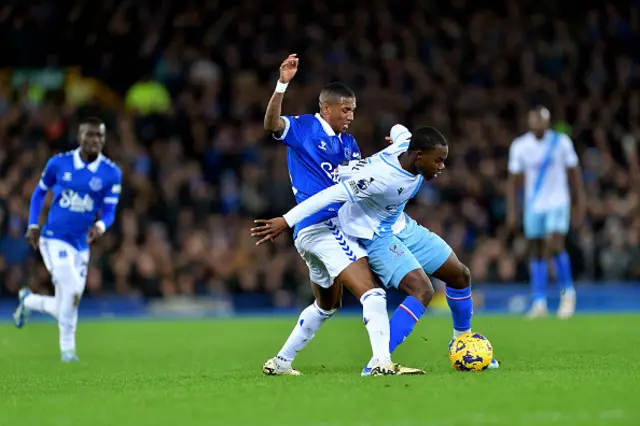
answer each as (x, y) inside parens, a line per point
(470, 352)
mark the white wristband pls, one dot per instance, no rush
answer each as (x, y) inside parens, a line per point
(101, 226)
(281, 87)
(34, 226)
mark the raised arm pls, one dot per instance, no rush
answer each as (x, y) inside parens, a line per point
(273, 120)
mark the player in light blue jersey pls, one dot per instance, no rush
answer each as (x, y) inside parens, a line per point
(545, 161)
(316, 146)
(401, 252)
(86, 188)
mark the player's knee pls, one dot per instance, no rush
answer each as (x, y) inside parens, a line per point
(462, 279)
(329, 305)
(416, 284)
(357, 278)
(555, 246)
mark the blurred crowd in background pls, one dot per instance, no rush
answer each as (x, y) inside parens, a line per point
(183, 87)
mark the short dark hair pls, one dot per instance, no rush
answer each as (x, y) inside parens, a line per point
(335, 91)
(426, 138)
(95, 121)
(542, 111)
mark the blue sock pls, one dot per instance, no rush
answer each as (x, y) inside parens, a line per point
(563, 271)
(403, 320)
(461, 304)
(539, 277)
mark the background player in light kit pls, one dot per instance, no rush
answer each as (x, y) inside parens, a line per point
(317, 145)
(86, 186)
(548, 162)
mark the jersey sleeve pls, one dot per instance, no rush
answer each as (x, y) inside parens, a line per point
(355, 150)
(111, 199)
(112, 193)
(569, 153)
(364, 182)
(516, 165)
(294, 132)
(48, 177)
(334, 194)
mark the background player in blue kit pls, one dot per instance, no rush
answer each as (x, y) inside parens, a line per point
(317, 145)
(86, 188)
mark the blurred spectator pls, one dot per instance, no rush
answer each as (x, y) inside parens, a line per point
(191, 81)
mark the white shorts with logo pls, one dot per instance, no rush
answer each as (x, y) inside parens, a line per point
(327, 251)
(66, 265)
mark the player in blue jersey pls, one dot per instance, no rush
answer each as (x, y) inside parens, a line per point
(401, 252)
(86, 189)
(317, 145)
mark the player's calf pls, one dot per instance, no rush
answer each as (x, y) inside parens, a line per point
(457, 279)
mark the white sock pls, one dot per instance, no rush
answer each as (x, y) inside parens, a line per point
(67, 321)
(458, 333)
(40, 303)
(376, 320)
(309, 322)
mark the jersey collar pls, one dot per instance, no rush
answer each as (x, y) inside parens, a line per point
(328, 130)
(78, 163)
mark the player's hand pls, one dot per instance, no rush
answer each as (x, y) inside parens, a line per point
(94, 234)
(289, 68)
(33, 237)
(388, 140)
(269, 229)
(512, 222)
(579, 215)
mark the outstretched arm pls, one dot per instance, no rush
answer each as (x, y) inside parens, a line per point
(354, 190)
(270, 229)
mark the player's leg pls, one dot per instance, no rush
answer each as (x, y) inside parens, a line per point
(557, 227)
(457, 279)
(69, 287)
(534, 231)
(29, 301)
(350, 267)
(431, 252)
(70, 294)
(396, 266)
(438, 259)
(326, 304)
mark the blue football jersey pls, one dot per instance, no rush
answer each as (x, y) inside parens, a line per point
(313, 156)
(80, 190)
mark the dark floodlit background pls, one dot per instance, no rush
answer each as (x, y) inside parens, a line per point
(183, 86)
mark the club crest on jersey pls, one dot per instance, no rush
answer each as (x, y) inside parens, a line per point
(95, 184)
(397, 252)
(347, 153)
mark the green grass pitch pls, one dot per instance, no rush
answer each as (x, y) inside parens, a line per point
(585, 371)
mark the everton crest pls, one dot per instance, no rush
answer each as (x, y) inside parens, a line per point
(95, 184)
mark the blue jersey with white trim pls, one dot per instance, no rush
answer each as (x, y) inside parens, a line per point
(80, 190)
(313, 156)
